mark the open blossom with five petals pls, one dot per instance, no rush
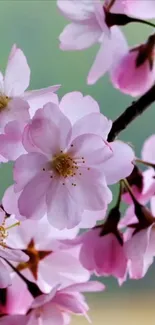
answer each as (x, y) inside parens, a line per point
(134, 72)
(7, 253)
(89, 26)
(49, 261)
(57, 306)
(68, 170)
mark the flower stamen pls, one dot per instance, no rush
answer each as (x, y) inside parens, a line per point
(64, 165)
(4, 232)
(4, 100)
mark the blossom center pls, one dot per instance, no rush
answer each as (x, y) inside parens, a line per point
(35, 256)
(4, 100)
(64, 165)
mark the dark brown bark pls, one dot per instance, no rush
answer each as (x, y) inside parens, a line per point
(131, 113)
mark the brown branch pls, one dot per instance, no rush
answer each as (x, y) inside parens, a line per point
(131, 113)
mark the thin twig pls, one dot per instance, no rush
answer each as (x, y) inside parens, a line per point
(131, 113)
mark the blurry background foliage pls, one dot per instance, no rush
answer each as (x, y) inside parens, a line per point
(35, 27)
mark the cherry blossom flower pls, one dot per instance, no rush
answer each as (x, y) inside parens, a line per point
(49, 261)
(57, 306)
(7, 253)
(65, 166)
(134, 73)
(89, 26)
(139, 241)
(103, 254)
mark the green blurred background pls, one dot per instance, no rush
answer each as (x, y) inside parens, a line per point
(35, 27)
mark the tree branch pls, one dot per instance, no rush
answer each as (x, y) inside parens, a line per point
(131, 113)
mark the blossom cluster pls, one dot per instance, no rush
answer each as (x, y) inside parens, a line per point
(63, 167)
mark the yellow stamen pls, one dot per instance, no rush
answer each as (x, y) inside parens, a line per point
(4, 232)
(63, 165)
(4, 100)
(14, 225)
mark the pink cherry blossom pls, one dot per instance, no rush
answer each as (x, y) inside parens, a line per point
(134, 73)
(67, 169)
(102, 254)
(139, 246)
(57, 306)
(60, 303)
(7, 253)
(88, 26)
(50, 261)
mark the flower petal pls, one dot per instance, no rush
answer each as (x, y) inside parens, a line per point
(112, 47)
(52, 315)
(38, 98)
(62, 209)
(94, 123)
(11, 146)
(14, 320)
(120, 164)
(13, 255)
(135, 249)
(148, 150)
(46, 130)
(90, 190)
(17, 74)
(17, 109)
(76, 10)
(79, 36)
(142, 9)
(31, 202)
(26, 167)
(5, 279)
(75, 106)
(90, 286)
